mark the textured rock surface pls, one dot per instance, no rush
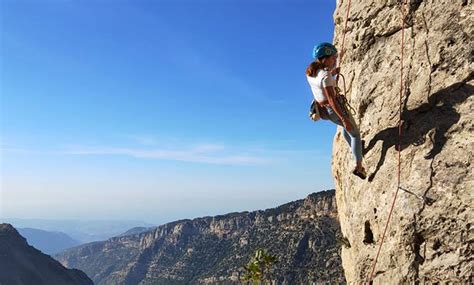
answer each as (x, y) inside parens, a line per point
(424, 244)
(213, 250)
(21, 264)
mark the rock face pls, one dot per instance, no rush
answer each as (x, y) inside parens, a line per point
(424, 243)
(21, 264)
(213, 250)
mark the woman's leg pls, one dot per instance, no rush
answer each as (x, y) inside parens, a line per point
(356, 142)
(347, 137)
(352, 137)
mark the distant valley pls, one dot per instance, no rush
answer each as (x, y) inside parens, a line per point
(48, 242)
(82, 231)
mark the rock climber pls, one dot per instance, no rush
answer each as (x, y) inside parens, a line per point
(320, 74)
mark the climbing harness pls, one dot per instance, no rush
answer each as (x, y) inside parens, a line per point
(316, 112)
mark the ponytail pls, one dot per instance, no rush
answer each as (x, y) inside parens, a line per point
(314, 67)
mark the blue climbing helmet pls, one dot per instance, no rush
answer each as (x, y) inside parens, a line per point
(323, 50)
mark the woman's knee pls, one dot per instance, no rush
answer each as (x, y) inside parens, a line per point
(354, 131)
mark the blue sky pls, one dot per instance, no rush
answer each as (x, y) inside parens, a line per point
(159, 110)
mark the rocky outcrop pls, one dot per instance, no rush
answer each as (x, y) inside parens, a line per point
(21, 264)
(430, 237)
(213, 250)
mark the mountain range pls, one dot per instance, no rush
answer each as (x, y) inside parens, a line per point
(213, 250)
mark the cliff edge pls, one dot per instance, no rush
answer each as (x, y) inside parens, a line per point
(425, 242)
(21, 264)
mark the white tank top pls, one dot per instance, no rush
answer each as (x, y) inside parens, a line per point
(322, 79)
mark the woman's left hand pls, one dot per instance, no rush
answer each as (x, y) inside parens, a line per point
(336, 71)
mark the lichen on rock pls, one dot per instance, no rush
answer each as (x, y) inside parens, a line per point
(424, 243)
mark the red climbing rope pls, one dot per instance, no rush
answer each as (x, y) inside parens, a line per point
(341, 54)
(345, 30)
(399, 144)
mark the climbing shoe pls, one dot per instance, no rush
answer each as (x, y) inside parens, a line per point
(360, 173)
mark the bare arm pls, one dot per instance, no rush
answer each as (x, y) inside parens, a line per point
(331, 96)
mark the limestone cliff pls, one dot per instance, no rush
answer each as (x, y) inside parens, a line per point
(425, 243)
(213, 250)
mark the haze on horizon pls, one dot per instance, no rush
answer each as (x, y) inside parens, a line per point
(158, 110)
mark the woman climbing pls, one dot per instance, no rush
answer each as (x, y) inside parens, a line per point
(320, 74)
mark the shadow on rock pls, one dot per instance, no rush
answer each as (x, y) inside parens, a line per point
(437, 114)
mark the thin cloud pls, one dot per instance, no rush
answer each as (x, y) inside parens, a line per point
(210, 154)
(206, 153)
